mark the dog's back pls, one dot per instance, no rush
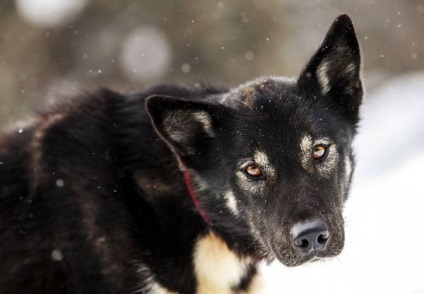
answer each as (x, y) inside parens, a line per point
(73, 218)
(57, 182)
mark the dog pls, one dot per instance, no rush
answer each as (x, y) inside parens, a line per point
(179, 190)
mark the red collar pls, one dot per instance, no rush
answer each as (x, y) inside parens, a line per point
(194, 198)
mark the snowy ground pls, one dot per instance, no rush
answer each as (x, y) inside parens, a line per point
(385, 214)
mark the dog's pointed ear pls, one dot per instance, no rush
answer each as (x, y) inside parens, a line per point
(334, 70)
(186, 126)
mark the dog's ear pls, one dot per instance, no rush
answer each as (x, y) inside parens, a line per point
(186, 126)
(334, 70)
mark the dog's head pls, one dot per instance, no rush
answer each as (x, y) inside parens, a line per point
(272, 160)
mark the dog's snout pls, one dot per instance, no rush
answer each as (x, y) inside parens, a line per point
(310, 236)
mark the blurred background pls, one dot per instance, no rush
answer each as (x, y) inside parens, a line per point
(52, 48)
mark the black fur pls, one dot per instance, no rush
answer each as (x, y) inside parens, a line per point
(92, 198)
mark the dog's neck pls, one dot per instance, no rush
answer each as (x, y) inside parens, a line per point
(194, 197)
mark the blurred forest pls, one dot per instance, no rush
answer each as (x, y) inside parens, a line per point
(52, 48)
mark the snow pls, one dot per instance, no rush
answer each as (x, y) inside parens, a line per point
(56, 255)
(186, 68)
(384, 223)
(145, 54)
(60, 183)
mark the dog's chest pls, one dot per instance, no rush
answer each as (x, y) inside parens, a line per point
(217, 269)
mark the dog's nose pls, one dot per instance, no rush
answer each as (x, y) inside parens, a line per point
(310, 236)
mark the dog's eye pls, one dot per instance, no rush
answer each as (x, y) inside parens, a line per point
(253, 170)
(319, 152)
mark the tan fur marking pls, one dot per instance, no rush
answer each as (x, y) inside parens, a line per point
(262, 159)
(306, 143)
(256, 285)
(217, 268)
(231, 201)
(247, 98)
(306, 147)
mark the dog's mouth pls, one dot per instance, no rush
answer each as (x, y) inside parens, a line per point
(312, 258)
(292, 260)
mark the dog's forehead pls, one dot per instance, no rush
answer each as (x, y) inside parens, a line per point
(267, 105)
(272, 116)
(253, 94)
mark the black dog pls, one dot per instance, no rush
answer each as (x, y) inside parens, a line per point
(153, 194)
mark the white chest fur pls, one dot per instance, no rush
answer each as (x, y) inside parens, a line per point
(217, 269)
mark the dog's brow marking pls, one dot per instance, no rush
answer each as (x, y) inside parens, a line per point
(261, 158)
(231, 202)
(217, 268)
(322, 141)
(306, 143)
(323, 79)
(305, 156)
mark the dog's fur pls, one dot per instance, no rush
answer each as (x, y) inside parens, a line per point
(93, 198)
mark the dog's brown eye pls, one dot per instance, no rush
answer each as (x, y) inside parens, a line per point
(253, 170)
(319, 151)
